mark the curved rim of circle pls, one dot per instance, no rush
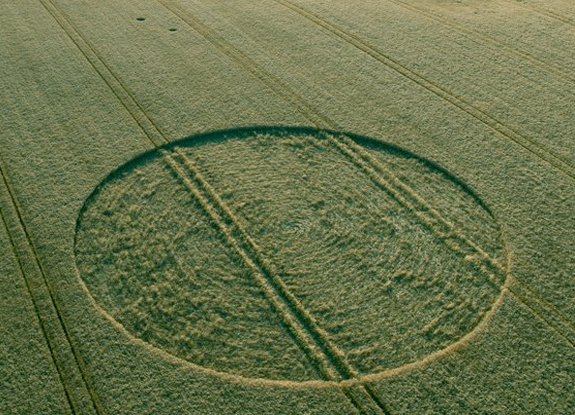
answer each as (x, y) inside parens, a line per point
(245, 132)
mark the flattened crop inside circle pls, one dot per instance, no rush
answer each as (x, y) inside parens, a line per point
(290, 254)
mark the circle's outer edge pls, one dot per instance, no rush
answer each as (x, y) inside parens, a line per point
(223, 134)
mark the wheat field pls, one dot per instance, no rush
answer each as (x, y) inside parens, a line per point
(287, 207)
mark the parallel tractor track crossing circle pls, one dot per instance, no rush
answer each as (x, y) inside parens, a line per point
(290, 254)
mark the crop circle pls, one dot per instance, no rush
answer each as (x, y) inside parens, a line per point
(222, 249)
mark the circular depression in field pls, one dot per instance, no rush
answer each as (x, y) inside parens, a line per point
(260, 252)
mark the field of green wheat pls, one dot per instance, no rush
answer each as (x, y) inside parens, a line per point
(287, 207)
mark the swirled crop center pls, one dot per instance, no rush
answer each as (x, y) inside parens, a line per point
(275, 253)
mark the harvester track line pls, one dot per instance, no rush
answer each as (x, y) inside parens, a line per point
(542, 309)
(281, 300)
(69, 365)
(565, 73)
(293, 99)
(503, 130)
(542, 12)
(408, 197)
(114, 83)
(331, 361)
(249, 66)
(153, 132)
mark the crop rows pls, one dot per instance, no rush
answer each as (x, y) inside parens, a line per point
(544, 12)
(69, 364)
(559, 70)
(310, 335)
(474, 112)
(313, 115)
